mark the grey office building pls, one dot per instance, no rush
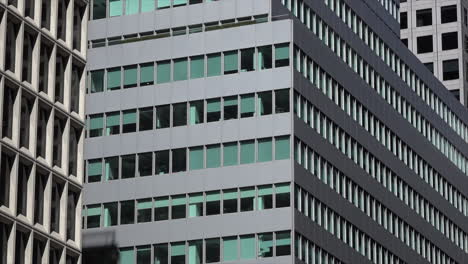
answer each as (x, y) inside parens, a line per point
(269, 131)
(42, 92)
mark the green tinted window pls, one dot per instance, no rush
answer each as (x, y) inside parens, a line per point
(94, 170)
(282, 148)
(115, 8)
(247, 152)
(113, 78)
(164, 3)
(164, 71)
(230, 154)
(213, 156)
(147, 5)
(131, 7)
(130, 76)
(229, 248)
(247, 105)
(180, 2)
(96, 122)
(230, 62)
(180, 69)
(265, 245)
(97, 81)
(196, 158)
(127, 256)
(197, 67)
(146, 74)
(214, 64)
(247, 247)
(282, 55)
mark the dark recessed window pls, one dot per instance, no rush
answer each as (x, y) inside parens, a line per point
(425, 44)
(449, 41)
(405, 42)
(450, 68)
(448, 14)
(403, 20)
(424, 17)
(430, 66)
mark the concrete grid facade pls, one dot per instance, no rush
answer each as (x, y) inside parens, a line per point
(268, 131)
(42, 80)
(442, 26)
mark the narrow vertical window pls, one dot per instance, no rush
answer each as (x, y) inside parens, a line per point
(265, 245)
(197, 67)
(265, 197)
(180, 69)
(146, 72)
(196, 112)
(214, 64)
(213, 110)
(247, 60)
(264, 57)
(282, 148)
(265, 103)
(179, 160)
(213, 203)
(196, 205)
(230, 249)
(247, 105)
(230, 154)
(247, 200)
(247, 247)
(164, 71)
(230, 201)
(196, 158)
(213, 156)
(265, 150)
(178, 208)
(110, 214)
(129, 121)
(161, 209)
(230, 62)
(113, 79)
(112, 123)
(282, 55)
(247, 151)
(94, 170)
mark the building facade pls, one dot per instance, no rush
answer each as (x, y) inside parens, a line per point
(269, 131)
(42, 81)
(437, 32)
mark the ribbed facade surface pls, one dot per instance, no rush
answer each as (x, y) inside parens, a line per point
(269, 131)
(437, 32)
(42, 92)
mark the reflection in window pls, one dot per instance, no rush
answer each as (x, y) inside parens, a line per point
(265, 103)
(230, 201)
(179, 160)
(162, 162)
(213, 110)
(161, 209)
(213, 203)
(247, 60)
(163, 116)
(264, 57)
(179, 114)
(265, 245)
(196, 112)
(230, 107)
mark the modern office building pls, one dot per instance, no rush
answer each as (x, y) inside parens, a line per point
(269, 131)
(437, 32)
(42, 92)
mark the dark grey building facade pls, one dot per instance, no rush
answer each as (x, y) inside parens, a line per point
(268, 131)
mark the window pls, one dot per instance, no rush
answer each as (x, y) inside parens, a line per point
(449, 41)
(129, 121)
(112, 123)
(93, 216)
(99, 9)
(163, 3)
(178, 206)
(195, 252)
(161, 253)
(96, 125)
(247, 247)
(264, 57)
(230, 154)
(196, 205)
(115, 8)
(282, 101)
(213, 156)
(283, 243)
(230, 107)
(448, 14)
(94, 170)
(265, 245)
(196, 112)
(161, 209)
(179, 160)
(163, 116)
(147, 69)
(113, 79)
(424, 44)
(230, 248)
(265, 106)
(146, 119)
(196, 158)
(213, 201)
(229, 201)
(39, 194)
(162, 162)
(212, 249)
(214, 64)
(164, 71)
(130, 76)
(405, 42)
(247, 151)
(247, 199)
(143, 254)
(247, 60)
(144, 208)
(424, 17)
(147, 5)
(430, 66)
(127, 212)
(180, 69)
(110, 214)
(265, 150)
(230, 62)
(145, 164)
(282, 148)
(179, 114)
(128, 166)
(111, 168)
(403, 20)
(282, 55)
(450, 68)
(97, 81)
(282, 192)
(213, 110)
(179, 2)
(265, 197)
(126, 255)
(197, 67)
(247, 105)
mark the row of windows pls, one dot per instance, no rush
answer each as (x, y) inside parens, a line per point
(381, 49)
(188, 205)
(373, 208)
(310, 253)
(365, 71)
(194, 112)
(349, 234)
(193, 158)
(200, 66)
(211, 250)
(448, 14)
(178, 31)
(113, 8)
(374, 167)
(347, 103)
(449, 41)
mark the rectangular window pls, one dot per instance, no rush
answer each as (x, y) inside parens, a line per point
(424, 17)
(161, 254)
(144, 208)
(283, 243)
(230, 249)
(230, 107)
(178, 253)
(112, 123)
(145, 164)
(111, 168)
(179, 160)
(163, 116)
(178, 206)
(282, 192)
(131, 7)
(115, 8)
(93, 216)
(196, 112)
(196, 205)
(130, 76)
(164, 71)
(282, 101)
(247, 199)
(197, 67)
(265, 197)
(96, 125)
(282, 55)
(180, 69)
(448, 14)
(214, 64)
(129, 121)
(265, 245)
(94, 170)
(247, 151)
(265, 150)
(213, 110)
(179, 2)
(230, 62)
(230, 201)
(161, 209)
(265, 106)
(143, 254)
(196, 158)
(282, 148)
(195, 252)
(213, 203)
(127, 256)
(128, 166)
(147, 5)
(145, 119)
(147, 70)
(213, 156)
(230, 154)
(179, 114)
(162, 162)
(247, 247)
(127, 212)
(110, 214)
(248, 60)
(97, 81)
(99, 9)
(163, 3)
(213, 250)
(247, 105)
(113, 79)
(450, 69)
(264, 57)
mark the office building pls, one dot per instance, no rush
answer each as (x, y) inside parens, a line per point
(269, 131)
(42, 84)
(437, 32)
